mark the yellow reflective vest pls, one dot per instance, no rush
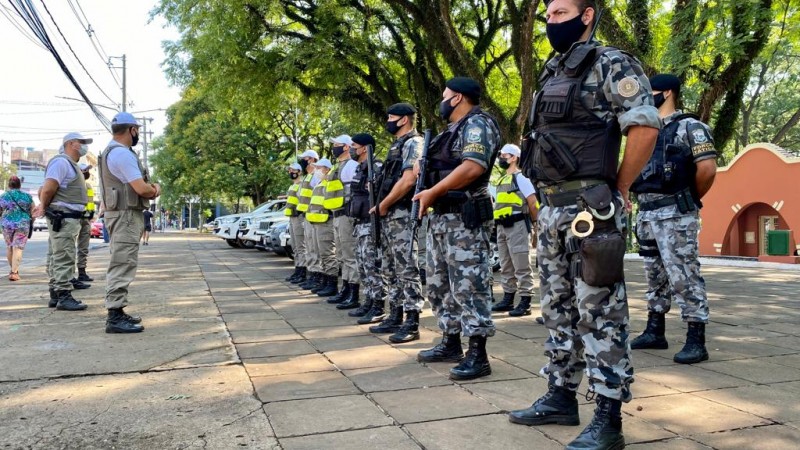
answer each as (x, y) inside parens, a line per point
(334, 190)
(292, 201)
(89, 193)
(316, 211)
(509, 199)
(304, 195)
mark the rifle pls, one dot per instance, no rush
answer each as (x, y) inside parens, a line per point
(372, 185)
(420, 186)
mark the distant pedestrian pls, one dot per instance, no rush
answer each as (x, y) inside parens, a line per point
(16, 219)
(148, 226)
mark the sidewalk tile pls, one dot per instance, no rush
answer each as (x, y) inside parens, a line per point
(396, 378)
(361, 358)
(764, 401)
(689, 378)
(512, 394)
(491, 431)
(370, 439)
(774, 437)
(268, 349)
(285, 365)
(322, 415)
(763, 372)
(302, 385)
(435, 403)
(346, 343)
(243, 337)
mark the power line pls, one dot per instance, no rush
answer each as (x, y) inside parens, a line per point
(25, 113)
(92, 34)
(73, 52)
(5, 11)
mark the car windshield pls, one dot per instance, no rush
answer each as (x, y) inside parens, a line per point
(270, 206)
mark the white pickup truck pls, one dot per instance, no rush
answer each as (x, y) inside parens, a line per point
(232, 228)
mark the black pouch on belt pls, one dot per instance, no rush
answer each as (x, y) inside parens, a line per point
(602, 256)
(598, 198)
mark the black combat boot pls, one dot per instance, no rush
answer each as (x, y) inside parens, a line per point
(558, 406)
(476, 364)
(311, 282)
(653, 335)
(68, 303)
(409, 331)
(390, 324)
(83, 276)
(341, 296)
(375, 314)
(293, 275)
(301, 276)
(351, 301)
(322, 282)
(694, 351)
(330, 289)
(423, 277)
(362, 310)
(449, 350)
(119, 322)
(506, 304)
(604, 432)
(523, 308)
(53, 298)
(77, 284)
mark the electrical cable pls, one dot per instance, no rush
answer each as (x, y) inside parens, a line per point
(98, 47)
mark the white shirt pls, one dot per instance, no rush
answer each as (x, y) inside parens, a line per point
(524, 184)
(348, 171)
(123, 164)
(63, 173)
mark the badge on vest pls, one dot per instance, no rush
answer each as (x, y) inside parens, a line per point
(699, 136)
(474, 134)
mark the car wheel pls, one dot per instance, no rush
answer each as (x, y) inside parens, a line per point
(244, 243)
(232, 243)
(289, 252)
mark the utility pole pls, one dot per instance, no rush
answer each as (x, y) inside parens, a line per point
(145, 135)
(124, 79)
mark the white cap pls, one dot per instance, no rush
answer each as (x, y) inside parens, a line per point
(309, 154)
(511, 149)
(324, 162)
(77, 137)
(342, 139)
(295, 166)
(84, 167)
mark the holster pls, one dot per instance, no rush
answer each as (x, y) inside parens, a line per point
(561, 163)
(56, 218)
(685, 201)
(476, 211)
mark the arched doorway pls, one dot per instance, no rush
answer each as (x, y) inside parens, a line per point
(747, 231)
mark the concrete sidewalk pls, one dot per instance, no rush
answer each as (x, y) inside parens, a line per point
(233, 357)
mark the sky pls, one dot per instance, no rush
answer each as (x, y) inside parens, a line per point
(31, 82)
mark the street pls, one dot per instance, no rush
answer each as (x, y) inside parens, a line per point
(36, 250)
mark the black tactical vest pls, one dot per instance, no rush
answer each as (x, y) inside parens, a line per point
(359, 194)
(393, 170)
(444, 155)
(569, 141)
(671, 169)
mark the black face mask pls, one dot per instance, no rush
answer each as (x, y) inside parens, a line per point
(303, 164)
(393, 127)
(446, 109)
(337, 151)
(293, 175)
(503, 163)
(659, 99)
(563, 35)
(134, 139)
(353, 153)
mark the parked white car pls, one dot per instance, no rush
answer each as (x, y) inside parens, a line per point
(232, 228)
(252, 229)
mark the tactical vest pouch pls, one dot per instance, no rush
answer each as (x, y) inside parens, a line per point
(476, 211)
(555, 161)
(113, 200)
(685, 201)
(602, 256)
(599, 198)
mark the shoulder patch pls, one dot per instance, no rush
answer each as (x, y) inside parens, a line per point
(474, 134)
(628, 87)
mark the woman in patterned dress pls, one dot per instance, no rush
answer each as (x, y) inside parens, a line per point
(16, 209)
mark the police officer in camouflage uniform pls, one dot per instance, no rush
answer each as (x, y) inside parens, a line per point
(367, 254)
(459, 276)
(396, 191)
(590, 97)
(669, 189)
(296, 224)
(513, 208)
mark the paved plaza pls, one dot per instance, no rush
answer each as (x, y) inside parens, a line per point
(234, 357)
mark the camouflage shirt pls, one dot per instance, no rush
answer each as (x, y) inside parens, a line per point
(695, 135)
(616, 86)
(410, 152)
(478, 141)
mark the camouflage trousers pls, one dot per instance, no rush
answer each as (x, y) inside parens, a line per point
(514, 251)
(345, 247)
(669, 247)
(326, 248)
(297, 230)
(401, 275)
(588, 324)
(311, 255)
(422, 243)
(459, 277)
(367, 258)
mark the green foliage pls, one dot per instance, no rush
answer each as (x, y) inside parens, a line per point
(6, 172)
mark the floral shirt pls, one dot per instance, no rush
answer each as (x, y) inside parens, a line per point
(15, 206)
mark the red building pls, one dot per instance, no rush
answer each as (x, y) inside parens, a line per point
(757, 192)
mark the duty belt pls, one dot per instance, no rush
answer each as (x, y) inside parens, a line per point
(339, 213)
(683, 199)
(448, 208)
(69, 214)
(509, 221)
(565, 193)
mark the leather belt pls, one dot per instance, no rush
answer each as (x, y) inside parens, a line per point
(658, 204)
